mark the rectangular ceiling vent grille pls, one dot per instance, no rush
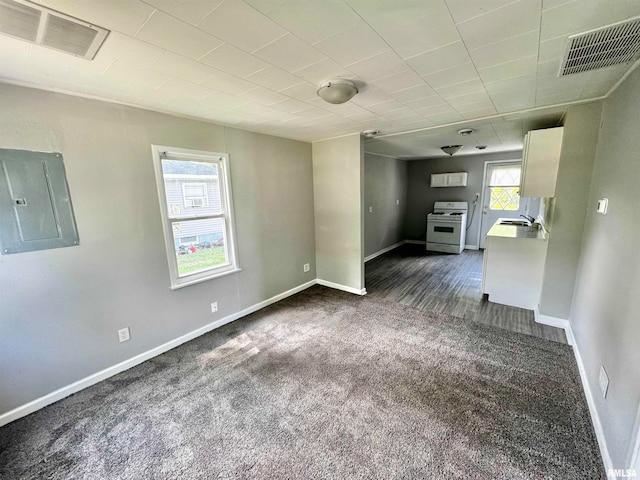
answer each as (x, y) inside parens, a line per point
(603, 47)
(34, 23)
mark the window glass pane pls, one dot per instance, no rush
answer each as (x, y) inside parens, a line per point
(505, 198)
(192, 188)
(507, 176)
(200, 245)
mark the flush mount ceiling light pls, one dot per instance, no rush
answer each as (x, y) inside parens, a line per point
(37, 24)
(337, 91)
(481, 147)
(451, 149)
(370, 133)
(465, 131)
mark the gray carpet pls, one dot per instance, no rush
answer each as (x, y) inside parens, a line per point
(324, 385)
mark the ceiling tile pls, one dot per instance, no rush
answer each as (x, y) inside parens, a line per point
(442, 58)
(172, 34)
(462, 10)
(314, 24)
(420, 103)
(274, 78)
(383, 15)
(223, 82)
(304, 92)
(379, 66)
(577, 17)
(413, 93)
(323, 70)
(399, 81)
(185, 89)
(291, 105)
(384, 107)
(264, 96)
(124, 16)
(371, 95)
(525, 82)
(552, 49)
(190, 11)
(234, 61)
(122, 72)
(466, 99)
(464, 88)
(461, 73)
(356, 43)
(181, 67)
(501, 24)
(289, 53)
(129, 49)
(436, 109)
(241, 25)
(523, 66)
(422, 34)
(264, 6)
(514, 48)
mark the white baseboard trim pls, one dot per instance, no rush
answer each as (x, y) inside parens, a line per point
(471, 247)
(383, 251)
(344, 288)
(595, 418)
(416, 242)
(63, 392)
(553, 322)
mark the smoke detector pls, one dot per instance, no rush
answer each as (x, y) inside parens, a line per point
(611, 45)
(465, 131)
(37, 24)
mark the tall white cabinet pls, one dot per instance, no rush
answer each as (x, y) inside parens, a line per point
(540, 160)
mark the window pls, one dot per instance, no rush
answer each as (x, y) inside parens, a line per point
(505, 188)
(194, 194)
(194, 188)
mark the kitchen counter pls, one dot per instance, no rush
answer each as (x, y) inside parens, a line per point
(514, 231)
(514, 264)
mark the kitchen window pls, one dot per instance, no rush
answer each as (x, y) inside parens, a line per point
(194, 189)
(504, 185)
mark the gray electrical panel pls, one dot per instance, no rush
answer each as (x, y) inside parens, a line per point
(35, 205)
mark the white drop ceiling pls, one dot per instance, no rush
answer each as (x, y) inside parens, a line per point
(257, 64)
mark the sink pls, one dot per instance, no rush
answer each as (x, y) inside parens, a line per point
(517, 223)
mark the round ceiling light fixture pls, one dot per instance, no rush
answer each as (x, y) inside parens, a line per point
(451, 149)
(370, 133)
(337, 91)
(465, 131)
(481, 147)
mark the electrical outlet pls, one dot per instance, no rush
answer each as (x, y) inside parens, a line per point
(397, 202)
(306, 267)
(214, 307)
(603, 380)
(123, 334)
(370, 209)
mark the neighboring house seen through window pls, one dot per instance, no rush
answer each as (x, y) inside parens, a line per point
(195, 202)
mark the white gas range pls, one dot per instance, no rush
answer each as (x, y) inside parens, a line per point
(447, 227)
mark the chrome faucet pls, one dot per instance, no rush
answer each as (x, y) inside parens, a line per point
(529, 218)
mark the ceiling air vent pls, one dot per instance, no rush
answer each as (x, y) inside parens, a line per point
(603, 47)
(34, 23)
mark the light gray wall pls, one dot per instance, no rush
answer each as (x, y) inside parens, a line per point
(60, 309)
(338, 170)
(606, 309)
(385, 182)
(579, 142)
(421, 197)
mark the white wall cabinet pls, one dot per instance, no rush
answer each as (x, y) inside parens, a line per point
(540, 160)
(457, 179)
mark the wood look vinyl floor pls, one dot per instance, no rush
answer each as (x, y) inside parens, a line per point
(449, 284)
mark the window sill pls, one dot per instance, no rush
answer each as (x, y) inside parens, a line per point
(204, 279)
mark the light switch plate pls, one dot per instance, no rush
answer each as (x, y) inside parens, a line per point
(123, 334)
(603, 204)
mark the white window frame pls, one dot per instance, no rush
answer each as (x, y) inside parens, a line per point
(160, 153)
(204, 186)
